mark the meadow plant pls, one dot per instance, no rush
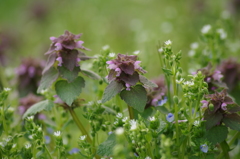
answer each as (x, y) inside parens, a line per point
(173, 116)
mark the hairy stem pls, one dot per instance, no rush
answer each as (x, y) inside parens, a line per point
(131, 114)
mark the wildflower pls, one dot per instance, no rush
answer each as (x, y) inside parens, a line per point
(119, 115)
(119, 131)
(125, 68)
(133, 124)
(160, 50)
(111, 54)
(106, 47)
(205, 104)
(148, 157)
(124, 119)
(217, 76)
(194, 45)
(152, 118)
(222, 33)
(30, 118)
(170, 117)
(73, 151)
(191, 53)
(204, 148)
(47, 139)
(7, 89)
(206, 29)
(196, 123)
(57, 133)
(64, 50)
(168, 43)
(136, 52)
(83, 137)
(27, 146)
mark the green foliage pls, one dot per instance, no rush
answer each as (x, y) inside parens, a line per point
(136, 97)
(48, 78)
(217, 134)
(68, 92)
(90, 74)
(106, 148)
(112, 89)
(147, 83)
(38, 107)
(232, 121)
(67, 74)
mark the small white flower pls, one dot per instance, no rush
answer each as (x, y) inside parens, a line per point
(90, 103)
(14, 145)
(39, 129)
(44, 91)
(83, 137)
(7, 89)
(188, 83)
(133, 124)
(222, 33)
(225, 15)
(28, 146)
(206, 29)
(30, 118)
(196, 123)
(133, 142)
(191, 53)
(30, 137)
(57, 133)
(112, 54)
(115, 122)
(119, 131)
(152, 118)
(125, 119)
(168, 43)
(136, 52)
(99, 102)
(148, 157)
(194, 45)
(2, 144)
(160, 50)
(119, 115)
(106, 47)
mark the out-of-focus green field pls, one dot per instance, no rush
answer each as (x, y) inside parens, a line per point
(124, 25)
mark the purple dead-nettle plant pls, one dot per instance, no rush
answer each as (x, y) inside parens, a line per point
(125, 78)
(213, 78)
(221, 109)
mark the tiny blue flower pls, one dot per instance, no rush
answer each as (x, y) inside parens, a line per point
(161, 102)
(204, 148)
(110, 132)
(74, 151)
(47, 139)
(170, 117)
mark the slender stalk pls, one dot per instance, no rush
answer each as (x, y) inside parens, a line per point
(234, 138)
(80, 125)
(131, 114)
(5, 127)
(225, 149)
(176, 110)
(50, 156)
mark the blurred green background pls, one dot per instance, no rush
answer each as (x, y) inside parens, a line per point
(124, 25)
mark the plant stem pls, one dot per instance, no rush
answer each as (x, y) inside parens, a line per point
(225, 149)
(176, 110)
(50, 156)
(234, 138)
(131, 114)
(80, 125)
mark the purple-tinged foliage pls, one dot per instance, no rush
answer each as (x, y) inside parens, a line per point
(27, 102)
(63, 50)
(220, 109)
(29, 75)
(157, 95)
(213, 78)
(230, 70)
(125, 69)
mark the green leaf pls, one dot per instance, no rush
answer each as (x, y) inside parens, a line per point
(167, 71)
(106, 148)
(136, 97)
(40, 106)
(112, 89)
(68, 92)
(146, 82)
(233, 108)
(47, 79)
(145, 114)
(67, 74)
(217, 134)
(51, 60)
(232, 121)
(212, 119)
(91, 74)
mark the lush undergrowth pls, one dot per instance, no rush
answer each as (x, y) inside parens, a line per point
(133, 98)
